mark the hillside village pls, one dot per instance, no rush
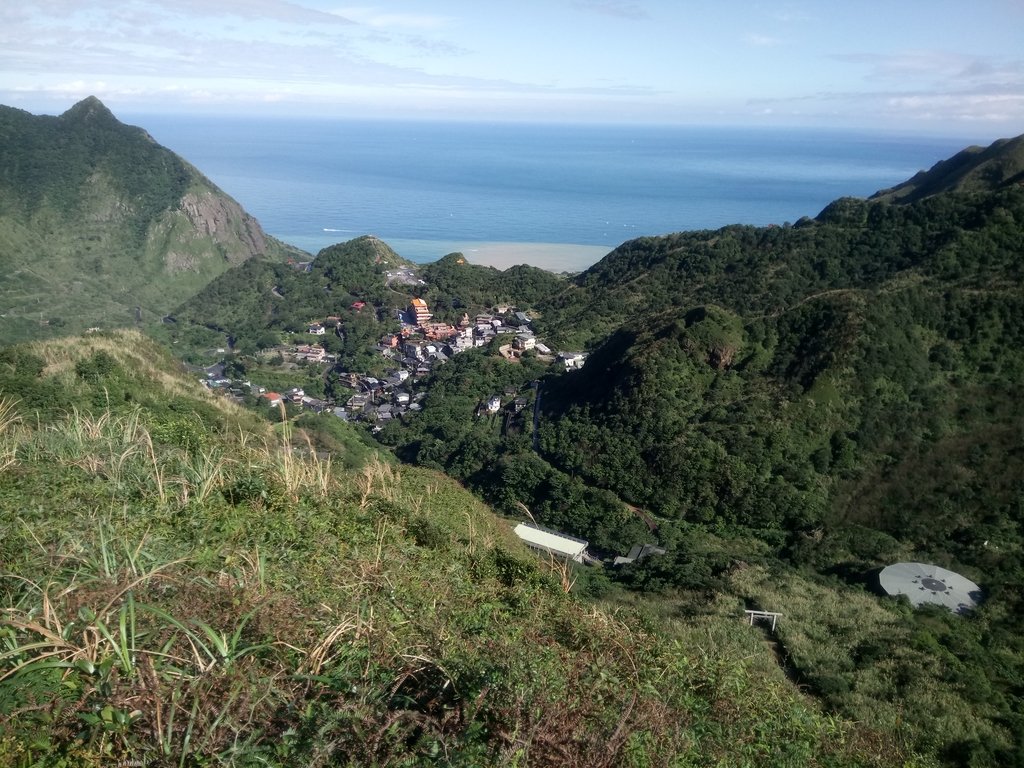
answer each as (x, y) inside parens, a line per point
(419, 346)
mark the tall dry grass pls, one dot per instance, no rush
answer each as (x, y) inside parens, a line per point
(10, 421)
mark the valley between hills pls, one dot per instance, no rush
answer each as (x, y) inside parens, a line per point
(259, 505)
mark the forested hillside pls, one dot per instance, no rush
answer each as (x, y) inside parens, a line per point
(788, 367)
(815, 402)
(810, 360)
(253, 302)
(972, 170)
(259, 298)
(453, 285)
(100, 225)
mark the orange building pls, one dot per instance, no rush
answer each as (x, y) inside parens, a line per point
(418, 310)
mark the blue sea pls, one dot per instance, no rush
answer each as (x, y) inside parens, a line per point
(429, 188)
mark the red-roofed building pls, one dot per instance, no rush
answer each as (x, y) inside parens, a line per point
(438, 331)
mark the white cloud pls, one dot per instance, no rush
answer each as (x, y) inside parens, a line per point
(946, 69)
(372, 17)
(408, 55)
(430, 47)
(75, 90)
(903, 108)
(987, 108)
(907, 65)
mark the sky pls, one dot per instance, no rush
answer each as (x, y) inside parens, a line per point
(940, 66)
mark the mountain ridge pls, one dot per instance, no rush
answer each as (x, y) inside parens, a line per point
(97, 213)
(972, 169)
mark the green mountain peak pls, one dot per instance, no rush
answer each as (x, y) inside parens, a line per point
(90, 110)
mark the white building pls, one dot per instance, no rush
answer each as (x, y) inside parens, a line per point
(553, 543)
(525, 341)
(572, 360)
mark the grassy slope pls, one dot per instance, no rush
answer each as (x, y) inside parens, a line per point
(179, 583)
(880, 663)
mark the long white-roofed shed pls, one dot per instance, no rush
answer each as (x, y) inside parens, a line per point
(549, 541)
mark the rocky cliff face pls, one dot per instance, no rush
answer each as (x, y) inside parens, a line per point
(222, 220)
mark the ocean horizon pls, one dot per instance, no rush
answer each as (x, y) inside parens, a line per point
(555, 196)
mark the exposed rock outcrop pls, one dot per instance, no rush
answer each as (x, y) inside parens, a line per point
(223, 220)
